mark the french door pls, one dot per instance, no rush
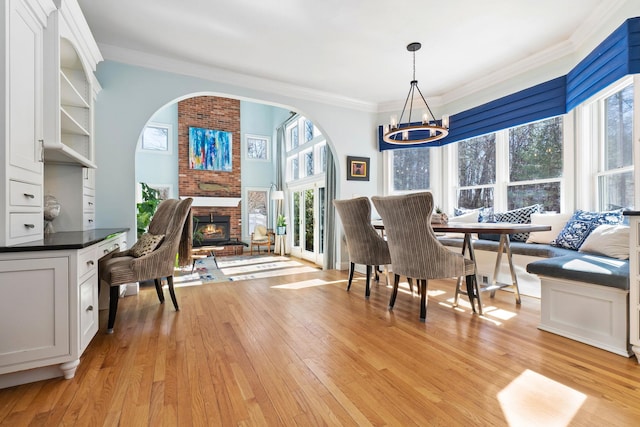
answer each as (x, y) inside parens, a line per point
(307, 228)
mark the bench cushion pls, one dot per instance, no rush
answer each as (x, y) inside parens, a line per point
(581, 267)
(517, 248)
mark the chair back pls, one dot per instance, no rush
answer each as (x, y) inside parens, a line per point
(162, 216)
(415, 250)
(364, 243)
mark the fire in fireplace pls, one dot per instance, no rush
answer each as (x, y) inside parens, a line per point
(209, 230)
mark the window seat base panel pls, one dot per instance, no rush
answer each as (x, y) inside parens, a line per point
(591, 314)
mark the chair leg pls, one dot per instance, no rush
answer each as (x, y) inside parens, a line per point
(394, 294)
(423, 299)
(376, 273)
(367, 291)
(114, 294)
(158, 283)
(172, 293)
(410, 282)
(472, 291)
(352, 268)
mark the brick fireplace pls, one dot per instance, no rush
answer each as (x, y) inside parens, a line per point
(210, 112)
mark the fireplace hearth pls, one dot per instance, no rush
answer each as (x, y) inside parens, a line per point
(210, 230)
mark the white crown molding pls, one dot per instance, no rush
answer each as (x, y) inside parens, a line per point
(161, 63)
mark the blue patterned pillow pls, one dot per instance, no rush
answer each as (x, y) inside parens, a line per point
(581, 224)
(515, 216)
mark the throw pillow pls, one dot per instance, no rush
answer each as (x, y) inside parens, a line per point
(146, 244)
(581, 224)
(555, 220)
(471, 216)
(515, 216)
(609, 240)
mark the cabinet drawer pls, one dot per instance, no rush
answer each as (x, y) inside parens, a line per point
(23, 194)
(89, 203)
(88, 311)
(87, 262)
(25, 224)
(88, 220)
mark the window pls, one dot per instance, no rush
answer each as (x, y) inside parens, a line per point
(293, 137)
(615, 171)
(535, 164)
(157, 137)
(533, 159)
(410, 169)
(477, 171)
(308, 130)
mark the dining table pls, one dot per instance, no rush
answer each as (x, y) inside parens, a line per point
(504, 229)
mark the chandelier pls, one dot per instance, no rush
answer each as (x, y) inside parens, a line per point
(428, 130)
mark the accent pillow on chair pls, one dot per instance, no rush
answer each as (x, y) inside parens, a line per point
(146, 244)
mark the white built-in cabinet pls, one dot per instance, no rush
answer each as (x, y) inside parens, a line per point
(21, 118)
(48, 59)
(70, 60)
(634, 282)
(49, 310)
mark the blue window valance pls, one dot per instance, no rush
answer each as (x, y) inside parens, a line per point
(617, 56)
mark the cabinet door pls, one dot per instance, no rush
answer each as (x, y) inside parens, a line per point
(25, 91)
(34, 312)
(88, 311)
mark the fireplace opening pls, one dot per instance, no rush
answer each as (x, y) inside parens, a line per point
(209, 230)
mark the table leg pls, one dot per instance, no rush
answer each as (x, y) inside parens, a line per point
(506, 247)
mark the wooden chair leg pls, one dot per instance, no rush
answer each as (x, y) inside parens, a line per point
(172, 293)
(367, 290)
(394, 294)
(423, 300)
(352, 268)
(114, 294)
(158, 283)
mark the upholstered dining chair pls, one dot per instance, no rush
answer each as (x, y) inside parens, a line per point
(415, 250)
(153, 256)
(364, 244)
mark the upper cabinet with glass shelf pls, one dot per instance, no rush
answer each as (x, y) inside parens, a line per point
(71, 56)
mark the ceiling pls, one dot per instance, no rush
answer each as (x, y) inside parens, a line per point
(352, 49)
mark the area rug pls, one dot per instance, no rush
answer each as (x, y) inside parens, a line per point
(241, 267)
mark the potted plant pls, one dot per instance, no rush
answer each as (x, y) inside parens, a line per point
(146, 208)
(281, 225)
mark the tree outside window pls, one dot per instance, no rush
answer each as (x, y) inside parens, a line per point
(615, 179)
(477, 171)
(535, 155)
(411, 169)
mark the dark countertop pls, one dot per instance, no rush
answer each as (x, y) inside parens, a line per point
(65, 240)
(631, 213)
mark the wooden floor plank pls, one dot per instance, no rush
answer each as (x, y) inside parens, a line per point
(300, 350)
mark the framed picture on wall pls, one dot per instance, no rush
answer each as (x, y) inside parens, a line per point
(257, 147)
(156, 137)
(357, 168)
(210, 149)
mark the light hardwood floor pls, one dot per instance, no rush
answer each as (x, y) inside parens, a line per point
(300, 350)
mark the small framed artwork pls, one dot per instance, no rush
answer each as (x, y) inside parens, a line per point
(357, 168)
(257, 147)
(156, 137)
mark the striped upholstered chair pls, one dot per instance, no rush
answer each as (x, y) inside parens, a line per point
(415, 250)
(364, 243)
(172, 223)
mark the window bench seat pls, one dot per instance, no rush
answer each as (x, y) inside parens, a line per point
(584, 297)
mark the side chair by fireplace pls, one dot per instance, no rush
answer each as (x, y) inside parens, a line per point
(261, 237)
(364, 244)
(416, 252)
(153, 256)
